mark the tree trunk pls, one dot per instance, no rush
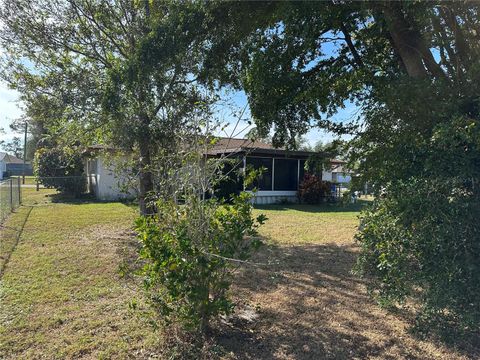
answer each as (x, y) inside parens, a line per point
(145, 176)
(409, 44)
(404, 40)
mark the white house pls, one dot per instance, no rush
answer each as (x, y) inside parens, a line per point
(104, 178)
(13, 165)
(283, 170)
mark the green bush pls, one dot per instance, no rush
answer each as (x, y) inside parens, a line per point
(313, 190)
(191, 252)
(60, 168)
(421, 238)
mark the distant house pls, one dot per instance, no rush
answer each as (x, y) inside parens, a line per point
(13, 166)
(283, 169)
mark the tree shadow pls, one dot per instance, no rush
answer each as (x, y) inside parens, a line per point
(306, 304)
(84, 199)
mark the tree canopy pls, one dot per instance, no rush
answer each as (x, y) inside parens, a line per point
(96, 71)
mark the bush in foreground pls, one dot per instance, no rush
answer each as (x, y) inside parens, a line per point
(192, 250)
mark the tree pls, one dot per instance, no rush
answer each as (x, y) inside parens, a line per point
(119, 72)
(14, 147)
(411, 67)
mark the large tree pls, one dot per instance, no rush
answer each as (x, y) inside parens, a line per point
(93, 63)
(412, 69)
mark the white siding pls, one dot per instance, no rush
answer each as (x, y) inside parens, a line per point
(274, 197)
(326, 176)
(105, 182)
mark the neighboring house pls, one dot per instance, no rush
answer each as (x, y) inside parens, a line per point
(283, 169)
(340, 175)
(13, 166)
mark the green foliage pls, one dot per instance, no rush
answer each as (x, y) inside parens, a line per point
(420, 239)
(60, 168)
(191, 252)
(14, 147)
(416, 139)
(313, 190)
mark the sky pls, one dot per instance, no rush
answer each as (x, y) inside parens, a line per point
(239, 101)
(8, 110)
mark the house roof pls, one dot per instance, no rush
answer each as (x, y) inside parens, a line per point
(10, 159)
(339, 168)
(226, 145)
(229, 146)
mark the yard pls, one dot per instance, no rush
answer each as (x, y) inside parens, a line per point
(63, 295)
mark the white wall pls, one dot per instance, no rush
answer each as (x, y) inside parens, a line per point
(326, 176)
(106, 182)
(263, 197)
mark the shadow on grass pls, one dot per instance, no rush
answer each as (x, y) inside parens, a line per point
(308, 305)
(85, 199)
(327, 207)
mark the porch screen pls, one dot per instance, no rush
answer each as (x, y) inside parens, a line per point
(285, 174)
(265, 180)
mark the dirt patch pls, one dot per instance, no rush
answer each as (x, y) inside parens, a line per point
(308, 305)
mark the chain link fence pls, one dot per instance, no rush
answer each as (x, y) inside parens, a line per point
(10, 196)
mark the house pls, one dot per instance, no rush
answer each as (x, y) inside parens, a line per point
(13, 166)
(340, 175)
(104, 179)
(283, 170)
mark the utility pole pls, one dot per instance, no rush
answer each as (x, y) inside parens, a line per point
(24, 152)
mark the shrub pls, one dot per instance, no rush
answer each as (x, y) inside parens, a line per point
(312, 190)
(191, 251)
(60, 168)
(420, 239)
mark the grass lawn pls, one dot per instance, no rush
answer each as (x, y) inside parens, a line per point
(62, 296)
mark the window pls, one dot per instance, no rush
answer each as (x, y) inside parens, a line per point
(264, 182)
(286, 174)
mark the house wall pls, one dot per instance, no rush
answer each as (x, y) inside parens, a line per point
(342, 178)
(327, 176)
(105, 182)
(2, 169)
(273, 197)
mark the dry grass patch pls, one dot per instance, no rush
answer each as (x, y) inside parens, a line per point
(308, 305)
(62, 295)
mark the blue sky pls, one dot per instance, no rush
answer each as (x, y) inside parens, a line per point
(313, 136)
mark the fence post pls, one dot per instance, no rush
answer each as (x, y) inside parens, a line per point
(11, 193)
(19, 192)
